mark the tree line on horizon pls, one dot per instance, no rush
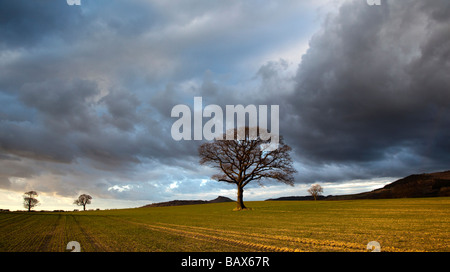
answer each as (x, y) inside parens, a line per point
(30, 201)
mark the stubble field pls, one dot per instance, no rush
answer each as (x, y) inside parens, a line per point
(274, 226)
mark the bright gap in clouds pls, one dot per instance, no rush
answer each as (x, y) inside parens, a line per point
(13, 201)
(329, 188)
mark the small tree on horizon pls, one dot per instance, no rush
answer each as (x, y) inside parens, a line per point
(315, 190)
(29, 200)
(83, 200)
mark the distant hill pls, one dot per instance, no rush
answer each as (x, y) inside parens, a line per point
(420, 185)
(285, 198)
(219, 199)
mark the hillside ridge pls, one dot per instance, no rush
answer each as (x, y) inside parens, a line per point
(219, 199)
(413, 186)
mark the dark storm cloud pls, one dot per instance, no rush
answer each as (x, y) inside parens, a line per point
(64, 106)
(52, 66)
(374, 87)
(122, 107)
(59, 112)
(26, 23)
(86, 92)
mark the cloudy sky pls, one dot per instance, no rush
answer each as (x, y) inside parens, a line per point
(86, 93)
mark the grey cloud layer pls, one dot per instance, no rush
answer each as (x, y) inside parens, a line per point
(374, 87)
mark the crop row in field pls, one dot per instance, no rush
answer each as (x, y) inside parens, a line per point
(52, 234)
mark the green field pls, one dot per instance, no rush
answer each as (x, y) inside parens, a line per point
(397, 224)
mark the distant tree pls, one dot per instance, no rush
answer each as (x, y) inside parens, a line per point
(29, 200)
(83, 200)
(315, 190)
(242, 161)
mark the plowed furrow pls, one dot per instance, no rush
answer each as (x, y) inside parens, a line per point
(213, 237)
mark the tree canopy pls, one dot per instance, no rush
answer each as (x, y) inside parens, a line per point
(29, 200)
(83, 200)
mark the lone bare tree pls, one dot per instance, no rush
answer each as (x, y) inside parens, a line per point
(250, 159)
(315, 190)
(83, 200)
(29, 200)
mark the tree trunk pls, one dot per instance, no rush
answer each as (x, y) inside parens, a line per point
(240, 198)
(84, 207)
